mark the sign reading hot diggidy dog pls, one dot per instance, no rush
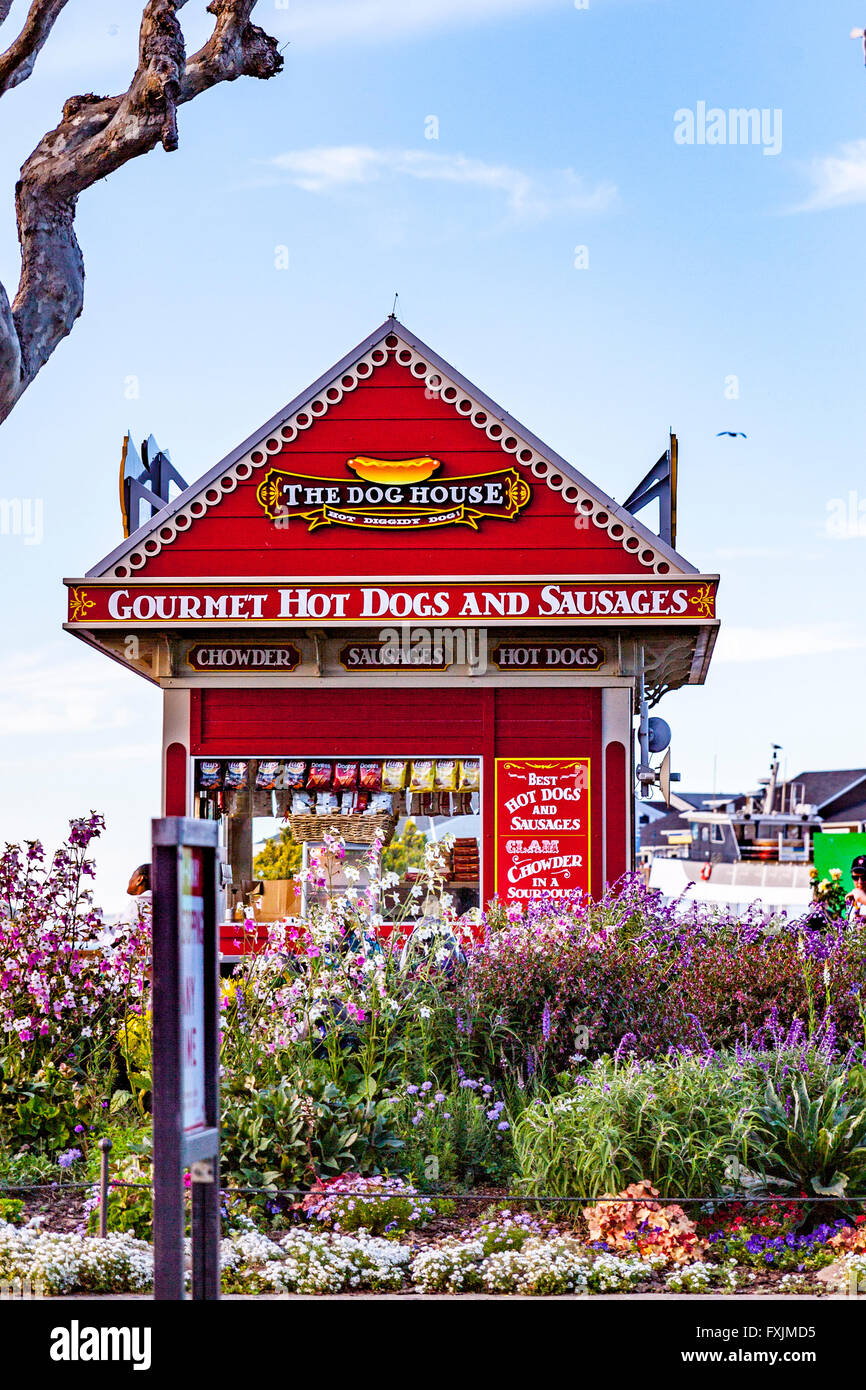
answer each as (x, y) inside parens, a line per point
(615, 600)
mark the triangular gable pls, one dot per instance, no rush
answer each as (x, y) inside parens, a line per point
(391, 399)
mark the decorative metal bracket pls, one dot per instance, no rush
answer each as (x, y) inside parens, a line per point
(145, 480)
(660, 482)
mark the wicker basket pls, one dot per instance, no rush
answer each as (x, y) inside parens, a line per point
(355, 829)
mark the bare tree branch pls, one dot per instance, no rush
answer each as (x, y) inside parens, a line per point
(95, 136)
(16, 64)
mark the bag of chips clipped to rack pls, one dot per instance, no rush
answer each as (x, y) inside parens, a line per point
(210, 775)
(267, 776)
(421, 779)
(370, 777)
(445, 776)
(319, 777)
(394, 774)
(469, 775)
(237, 773)
(345, 777)
(294, 774)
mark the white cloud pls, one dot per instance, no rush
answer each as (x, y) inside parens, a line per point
(308, 22)
(838, 180)
(750, 552)
(42, 692)
(327, 169)
(739, 644)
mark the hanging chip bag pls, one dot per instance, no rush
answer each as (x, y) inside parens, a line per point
(394, 775)
(345, 777)
(445, 778)
(422, 775)
(319, 777)
(267, 776)
(370, 776)
(469, 778)
(210, 776)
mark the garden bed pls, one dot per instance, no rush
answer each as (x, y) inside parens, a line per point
(573, 1051)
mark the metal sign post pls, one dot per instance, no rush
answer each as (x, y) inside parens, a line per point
(185, 1054)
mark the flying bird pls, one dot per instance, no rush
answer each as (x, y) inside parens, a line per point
(732, 434)
(859, 34)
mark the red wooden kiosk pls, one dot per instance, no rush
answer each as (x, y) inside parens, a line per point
(392, 571)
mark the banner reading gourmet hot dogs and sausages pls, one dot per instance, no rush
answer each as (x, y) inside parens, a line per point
(177, 603)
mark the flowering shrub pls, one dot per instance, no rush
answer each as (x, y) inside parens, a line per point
(829, 893)
(817, 1141)
(557, 1265)
(795, 1252)
(700, 1276)
(463, 1125)
(850, 1239)
(378, 1205)
(644, 1226)
(311, 1262)
(504, 1230)
(288, 1132)
(130, 1208)
(60, 999)
(571, 977)
(60, 1264)
(337, 989)
(452, 1267)
(678, 1122)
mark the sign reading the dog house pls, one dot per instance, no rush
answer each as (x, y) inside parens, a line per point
(393, 495)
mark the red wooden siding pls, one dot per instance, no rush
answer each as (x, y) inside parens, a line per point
(390, 416)
(496, 722)
(175, 780)
(615, 811)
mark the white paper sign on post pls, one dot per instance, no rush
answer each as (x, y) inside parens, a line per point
(191, 954)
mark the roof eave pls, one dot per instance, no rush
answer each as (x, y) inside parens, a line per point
(392, 325)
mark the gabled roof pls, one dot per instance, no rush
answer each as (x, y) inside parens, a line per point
(823, 787)
(846, 814)
(392, 341)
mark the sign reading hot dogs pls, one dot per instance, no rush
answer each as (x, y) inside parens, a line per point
(627, 600)
(542, 827)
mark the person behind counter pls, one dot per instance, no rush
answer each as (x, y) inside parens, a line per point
(137, 912)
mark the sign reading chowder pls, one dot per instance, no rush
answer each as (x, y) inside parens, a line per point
(542, 827)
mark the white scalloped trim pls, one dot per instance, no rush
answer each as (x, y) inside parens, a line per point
(585, 507)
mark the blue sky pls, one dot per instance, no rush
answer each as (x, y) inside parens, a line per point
(555, 130)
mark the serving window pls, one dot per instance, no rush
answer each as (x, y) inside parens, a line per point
(272, 811)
